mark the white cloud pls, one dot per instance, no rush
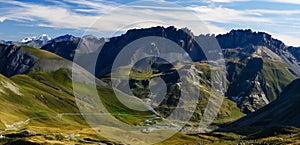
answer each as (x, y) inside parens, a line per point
(96, 6)
(108, 21)
(215, 29)
(226, 1)
(232, 1)
(288, 39)
(284, 1)
(226, 15)
(274, 12)
(2, 19)
(210, 1)
(64, 17)
(106, 17)
(52, 15)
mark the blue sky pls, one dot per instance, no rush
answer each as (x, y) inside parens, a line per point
(106, 18)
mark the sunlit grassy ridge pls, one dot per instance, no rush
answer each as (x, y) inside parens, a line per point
(47, 98)
(42, 103)
(44, 96)
(279, 74)
(44, 99)
(42, 54)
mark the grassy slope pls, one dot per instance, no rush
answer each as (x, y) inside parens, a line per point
(47, 61)
(39, 99)
(228, 112)
(278, 74)
(48, 93)
(42, 54)
(43, 95)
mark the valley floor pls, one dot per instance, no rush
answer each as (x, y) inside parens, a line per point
(32, 132)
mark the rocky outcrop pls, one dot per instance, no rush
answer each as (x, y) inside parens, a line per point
(14, 60)
(243, 86)
(66, 46)
(295, 51)
(282, 112)
(240, 49)
(21, 60)
(258, 67)
(182, 37)
(65, 49)
(244, 38)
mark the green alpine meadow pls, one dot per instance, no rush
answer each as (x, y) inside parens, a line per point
(149, 72)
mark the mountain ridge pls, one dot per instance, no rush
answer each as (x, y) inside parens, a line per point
(258, 75)
(239, 47)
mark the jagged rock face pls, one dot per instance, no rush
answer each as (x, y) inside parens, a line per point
(256, 82)
(246, 89)
(244, 38)
(182, 37)
(258, 68)
(14, 60)
(295, 51)
(22, 60)
(240, 48)
(65, 49)
(282, 112)
(66, 46)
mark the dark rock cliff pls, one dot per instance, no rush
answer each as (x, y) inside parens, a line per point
(14, 60)
(182, 37)
(66, 46)
(244, 38)
(240, 49)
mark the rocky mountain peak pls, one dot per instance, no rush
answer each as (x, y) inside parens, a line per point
(170, 32)
(182, 37)
(244, 38)
(66, 37)
(45, 37)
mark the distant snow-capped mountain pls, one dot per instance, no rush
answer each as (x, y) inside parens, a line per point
(39, 41)
(43, 38)
(34, 41)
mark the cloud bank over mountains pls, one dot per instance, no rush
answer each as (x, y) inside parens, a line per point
(219, 16)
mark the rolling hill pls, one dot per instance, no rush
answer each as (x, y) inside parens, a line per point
(38, 103)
